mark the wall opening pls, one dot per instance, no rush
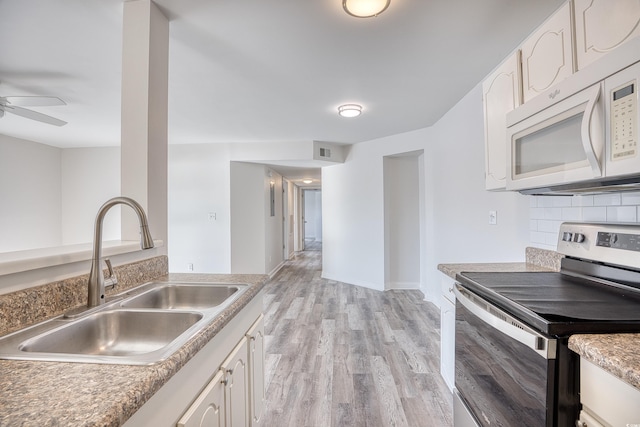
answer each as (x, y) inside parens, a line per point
(403, 207)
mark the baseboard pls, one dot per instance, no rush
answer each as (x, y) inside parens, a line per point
(402, 285)
(276, 270)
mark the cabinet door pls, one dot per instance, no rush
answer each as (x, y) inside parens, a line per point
(500, 94)
(257, 397)
(603, 25)
(236, 377)
(547, 55)
(209, 408)
(447, 332)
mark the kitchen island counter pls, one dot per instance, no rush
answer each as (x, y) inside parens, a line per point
(82, 394)
(618, 354)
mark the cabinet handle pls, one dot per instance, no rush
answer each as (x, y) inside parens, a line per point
(230, 371)
(224, 382)
(252, 338)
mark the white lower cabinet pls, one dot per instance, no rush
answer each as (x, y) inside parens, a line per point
(221, 386)
(606, 399)
(257, 397)
(235, 395)
(208, 410)
(447, 332)
(236, 378)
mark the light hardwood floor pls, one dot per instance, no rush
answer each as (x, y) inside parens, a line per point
(342, 355)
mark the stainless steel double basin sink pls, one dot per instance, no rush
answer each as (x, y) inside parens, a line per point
(141, 326)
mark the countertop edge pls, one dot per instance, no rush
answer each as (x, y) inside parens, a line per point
(618, 354)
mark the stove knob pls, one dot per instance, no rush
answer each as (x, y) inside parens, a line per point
(578, 237)
(566, 236)
(614, 238)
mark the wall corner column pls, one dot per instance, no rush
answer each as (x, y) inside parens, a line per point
(144, 144)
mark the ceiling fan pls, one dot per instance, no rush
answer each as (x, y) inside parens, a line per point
(14, 104)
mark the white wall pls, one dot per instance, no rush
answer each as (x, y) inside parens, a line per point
(30, 195)
(273, 254)
(199, 185)
(318, 221)
(456, 204)
(90, 177)
(248, 212)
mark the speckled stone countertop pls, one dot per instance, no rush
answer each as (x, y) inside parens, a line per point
(81, 394)
(618, 354)
(536, 260)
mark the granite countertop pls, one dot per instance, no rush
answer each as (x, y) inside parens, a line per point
(496, 267)
(39, 393)
(536, 260)
(618, 354)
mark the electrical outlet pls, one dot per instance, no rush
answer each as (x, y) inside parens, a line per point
(212, 216)
(190, 266)
(493, 217)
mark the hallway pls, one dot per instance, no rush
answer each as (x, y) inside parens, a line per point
(342, 355)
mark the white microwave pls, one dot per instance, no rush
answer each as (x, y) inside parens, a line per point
(581, 136)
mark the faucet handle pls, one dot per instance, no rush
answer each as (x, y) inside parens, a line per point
(111, 280)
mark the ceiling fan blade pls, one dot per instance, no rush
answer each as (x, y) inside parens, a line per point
(35, 101)
(33, 115)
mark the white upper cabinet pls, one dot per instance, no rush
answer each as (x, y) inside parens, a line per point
(500, 94)
(603, 25)
(547, 55)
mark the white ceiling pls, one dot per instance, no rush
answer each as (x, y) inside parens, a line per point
(259, 70)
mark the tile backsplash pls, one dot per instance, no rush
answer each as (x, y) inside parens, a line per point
(546, 213)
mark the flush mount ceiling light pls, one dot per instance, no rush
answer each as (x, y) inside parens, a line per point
(350, 110)
(365, 8)
(307, 181)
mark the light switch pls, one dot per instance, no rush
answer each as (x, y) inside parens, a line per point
(493, 217)
(212, 216)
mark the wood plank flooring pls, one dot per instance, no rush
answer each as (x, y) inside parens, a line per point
(342, 355)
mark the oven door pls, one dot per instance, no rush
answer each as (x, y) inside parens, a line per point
(504, 369)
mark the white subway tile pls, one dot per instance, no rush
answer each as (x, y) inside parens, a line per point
(545, 201)
(533, 225)
(621, 213)
(607, 200)
(553, 213)
(536, 213)
(630, 198)
(545, 225)
(561, 201)
(552, 240)
(538, 237)
(590, 214)
(533, 201)
(582, 201)
(572, 214)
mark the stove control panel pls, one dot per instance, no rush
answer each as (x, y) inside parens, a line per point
(629, 242)
(610, 243)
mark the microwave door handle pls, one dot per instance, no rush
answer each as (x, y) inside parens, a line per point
(591, 114)
(545, 347)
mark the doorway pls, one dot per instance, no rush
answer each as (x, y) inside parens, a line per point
(403, 219)
(312, 219)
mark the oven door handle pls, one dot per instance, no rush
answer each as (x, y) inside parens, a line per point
(503, 322)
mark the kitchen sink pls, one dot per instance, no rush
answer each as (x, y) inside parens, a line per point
(182, 296)
(141, 326)
(114, 333)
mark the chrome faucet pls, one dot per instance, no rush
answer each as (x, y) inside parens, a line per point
(97, 281)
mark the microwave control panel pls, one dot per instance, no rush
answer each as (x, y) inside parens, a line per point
(624, 121)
